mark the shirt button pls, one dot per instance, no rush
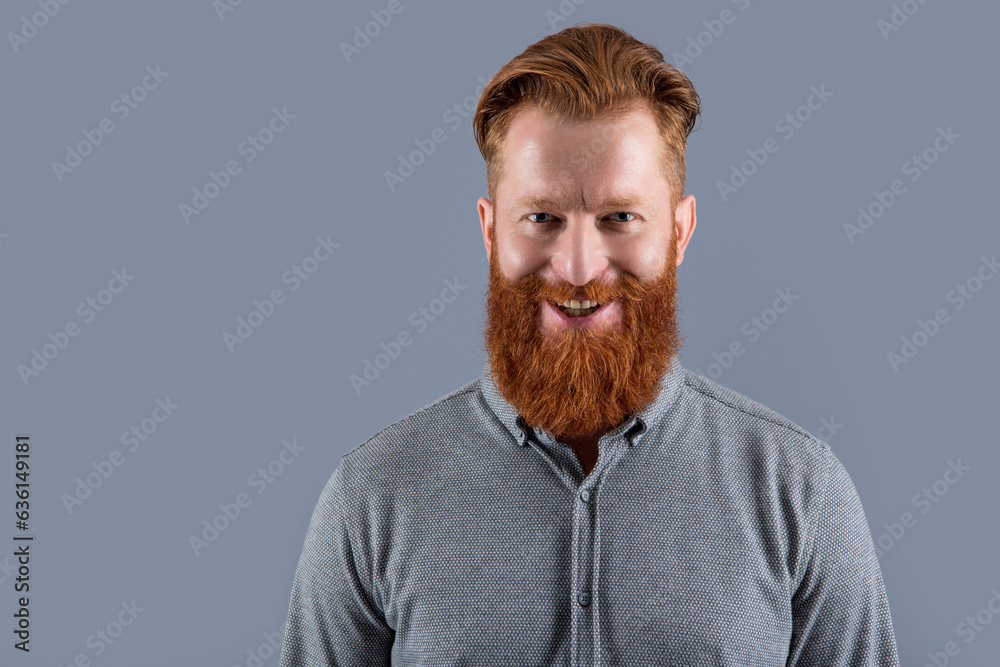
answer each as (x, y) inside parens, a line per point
(583, 599)
(585, 496)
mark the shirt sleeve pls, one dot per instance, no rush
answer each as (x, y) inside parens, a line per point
(840, 613)
(333, 617)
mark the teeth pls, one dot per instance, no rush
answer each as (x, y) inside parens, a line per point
(577, 305)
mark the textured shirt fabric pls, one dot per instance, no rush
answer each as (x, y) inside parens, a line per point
(712, 531)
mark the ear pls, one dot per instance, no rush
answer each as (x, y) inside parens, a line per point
(486, 222)
(685, 219)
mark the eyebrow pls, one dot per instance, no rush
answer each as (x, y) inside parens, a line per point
(617, 203)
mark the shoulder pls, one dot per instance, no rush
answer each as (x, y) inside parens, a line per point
(776, 462)
(418, 438)
(742, 425)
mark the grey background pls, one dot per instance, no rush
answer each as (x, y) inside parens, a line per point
(162, 336)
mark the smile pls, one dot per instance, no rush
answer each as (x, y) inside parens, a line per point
(586, 314)
(575, 308)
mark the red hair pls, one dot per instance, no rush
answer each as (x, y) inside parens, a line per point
(586, 72)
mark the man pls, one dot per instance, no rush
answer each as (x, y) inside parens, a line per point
(587, 501)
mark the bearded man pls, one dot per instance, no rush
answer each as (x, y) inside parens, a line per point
(587, 500)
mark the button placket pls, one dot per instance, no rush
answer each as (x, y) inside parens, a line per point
(584, 580)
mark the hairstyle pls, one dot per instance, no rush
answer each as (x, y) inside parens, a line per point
(585, 72)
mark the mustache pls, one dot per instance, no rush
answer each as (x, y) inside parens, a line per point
(533, 288)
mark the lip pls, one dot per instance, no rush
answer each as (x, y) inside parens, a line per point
(604, 315)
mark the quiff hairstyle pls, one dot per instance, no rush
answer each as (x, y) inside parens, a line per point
(585, 72)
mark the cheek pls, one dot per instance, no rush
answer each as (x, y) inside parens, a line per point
(644, 259)
(519, 257)
(651, 269)
(655, 257)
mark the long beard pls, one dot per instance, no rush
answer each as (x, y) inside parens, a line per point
(588, 380)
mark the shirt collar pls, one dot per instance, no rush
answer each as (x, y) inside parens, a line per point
(633, 428)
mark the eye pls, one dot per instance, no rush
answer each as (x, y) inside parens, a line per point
(629, 217)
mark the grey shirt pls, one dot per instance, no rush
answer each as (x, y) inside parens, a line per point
(712, 531)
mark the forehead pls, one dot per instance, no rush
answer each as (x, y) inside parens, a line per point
(578, 163)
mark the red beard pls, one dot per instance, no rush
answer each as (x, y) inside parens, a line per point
(588, 380)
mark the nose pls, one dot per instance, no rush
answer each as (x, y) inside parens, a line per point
(579, 254)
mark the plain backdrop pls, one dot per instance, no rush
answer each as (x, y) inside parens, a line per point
(191, 322)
